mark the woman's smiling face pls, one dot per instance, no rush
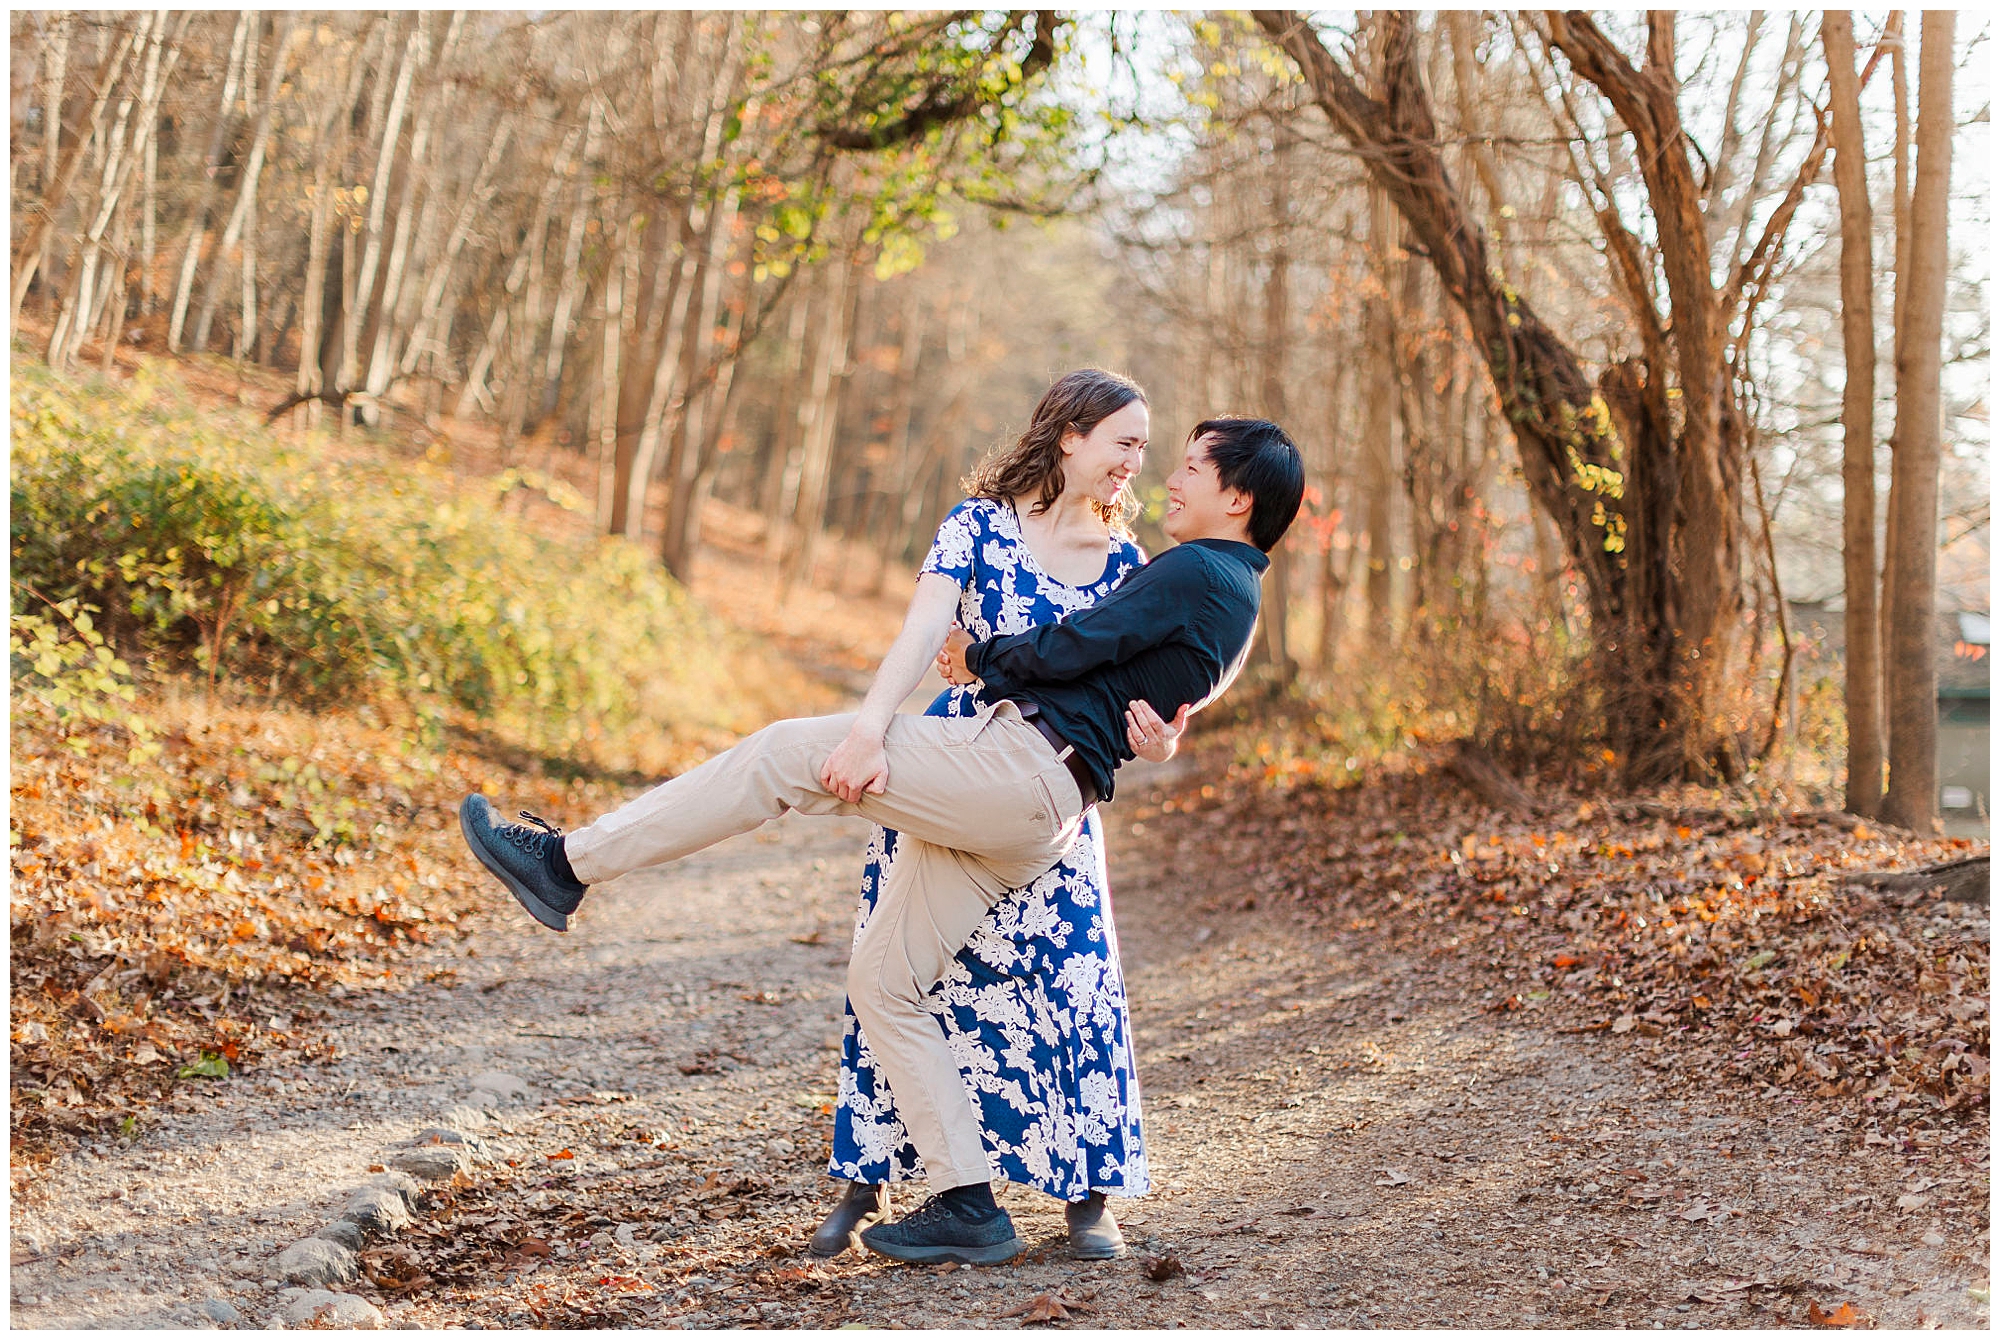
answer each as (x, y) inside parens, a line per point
(1100, 463)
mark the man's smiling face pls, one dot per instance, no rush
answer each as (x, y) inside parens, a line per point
(1198, 506)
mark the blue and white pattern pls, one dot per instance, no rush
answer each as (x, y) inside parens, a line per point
(1034, 1007)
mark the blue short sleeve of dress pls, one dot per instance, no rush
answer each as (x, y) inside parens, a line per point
(1034, 1006)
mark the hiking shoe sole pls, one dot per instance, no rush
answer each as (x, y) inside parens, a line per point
(539, 910)
(997, 1254)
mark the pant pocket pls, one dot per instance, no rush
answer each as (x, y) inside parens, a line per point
(962, 731)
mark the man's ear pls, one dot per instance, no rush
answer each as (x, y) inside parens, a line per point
(1238, 503)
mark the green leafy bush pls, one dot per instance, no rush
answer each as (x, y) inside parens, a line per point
(211, 544)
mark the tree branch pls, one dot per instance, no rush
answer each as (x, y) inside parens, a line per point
(951, 99)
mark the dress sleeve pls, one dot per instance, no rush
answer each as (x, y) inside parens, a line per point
(957, 544)
(1130, 558)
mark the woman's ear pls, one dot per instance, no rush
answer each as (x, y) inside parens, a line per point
(1070, 440)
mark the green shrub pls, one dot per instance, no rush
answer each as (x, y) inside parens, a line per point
(216, 546)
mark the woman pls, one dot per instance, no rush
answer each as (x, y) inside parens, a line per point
(1035, 1004)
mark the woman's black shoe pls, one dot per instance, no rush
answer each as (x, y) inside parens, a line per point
(864, 1205)
(1093, 1233)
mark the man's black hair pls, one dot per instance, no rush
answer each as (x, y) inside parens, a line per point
(1256, 457)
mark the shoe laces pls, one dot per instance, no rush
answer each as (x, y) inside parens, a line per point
(932, 1208)
(529, 840)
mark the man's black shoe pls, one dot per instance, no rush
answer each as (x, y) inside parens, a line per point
(935, 1233)
(862, 1206)
(523, 859)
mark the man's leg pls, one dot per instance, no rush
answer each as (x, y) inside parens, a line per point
(986, 786)
(930, 904)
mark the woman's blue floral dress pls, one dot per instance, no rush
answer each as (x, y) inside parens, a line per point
(1034, 1007)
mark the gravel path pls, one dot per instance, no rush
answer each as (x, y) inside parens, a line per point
(1339, 1139)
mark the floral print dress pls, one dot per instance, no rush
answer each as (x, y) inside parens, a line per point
(1034, 1006)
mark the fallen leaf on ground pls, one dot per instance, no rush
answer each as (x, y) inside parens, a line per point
(1160, 1269)
(1392, 1177)
(1048, 1307)
(1844, 1315)
(396, 1269)
(624, 1284)
(559, 1154)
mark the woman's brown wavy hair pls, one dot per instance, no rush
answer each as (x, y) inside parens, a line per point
(1078, 402)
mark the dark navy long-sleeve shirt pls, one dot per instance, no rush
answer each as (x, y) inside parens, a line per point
(1177, 632)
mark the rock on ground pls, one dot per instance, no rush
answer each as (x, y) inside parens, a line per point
(377, 1210)
(316, 1261)
(325, 1310)
(497, 1086)
(432, 1163)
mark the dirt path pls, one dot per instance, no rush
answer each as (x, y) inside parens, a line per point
(1339, 1139)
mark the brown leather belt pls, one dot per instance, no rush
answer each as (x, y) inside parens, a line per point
(1086, 785)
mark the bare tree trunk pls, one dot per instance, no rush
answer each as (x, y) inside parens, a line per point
(1857, 415)
(476, 196)
(517, 277)
(197, 229)
(395, 316)
(246, 326)
(1276, 611)
(823, 409)
(706, 378)
(622, 272)
(569, 287)
(1911, 799)
(149, 205)
(666, 369)
(779, 490)
(367, 313)
(121, 160)
(902, 408)
(253, 166)
(114, 316)
(1377, 459)
(1899, 73)
(28, 256)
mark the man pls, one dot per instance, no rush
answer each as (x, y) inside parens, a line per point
(984, 804)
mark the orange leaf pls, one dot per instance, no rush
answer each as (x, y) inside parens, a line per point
(559, 1154)
(1844, 1315)
(625, 1284)
(1567, 960)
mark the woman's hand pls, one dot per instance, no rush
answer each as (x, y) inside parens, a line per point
(1151, 738)
(951, 660)
(857, 764)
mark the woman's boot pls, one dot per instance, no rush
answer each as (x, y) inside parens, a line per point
(1093, 1233)
(864, 1204)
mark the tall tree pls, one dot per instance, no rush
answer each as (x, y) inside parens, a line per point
(1642, 470)
(1857, 414)
(1911, 799)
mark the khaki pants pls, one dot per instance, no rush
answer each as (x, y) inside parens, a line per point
(983, 806)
